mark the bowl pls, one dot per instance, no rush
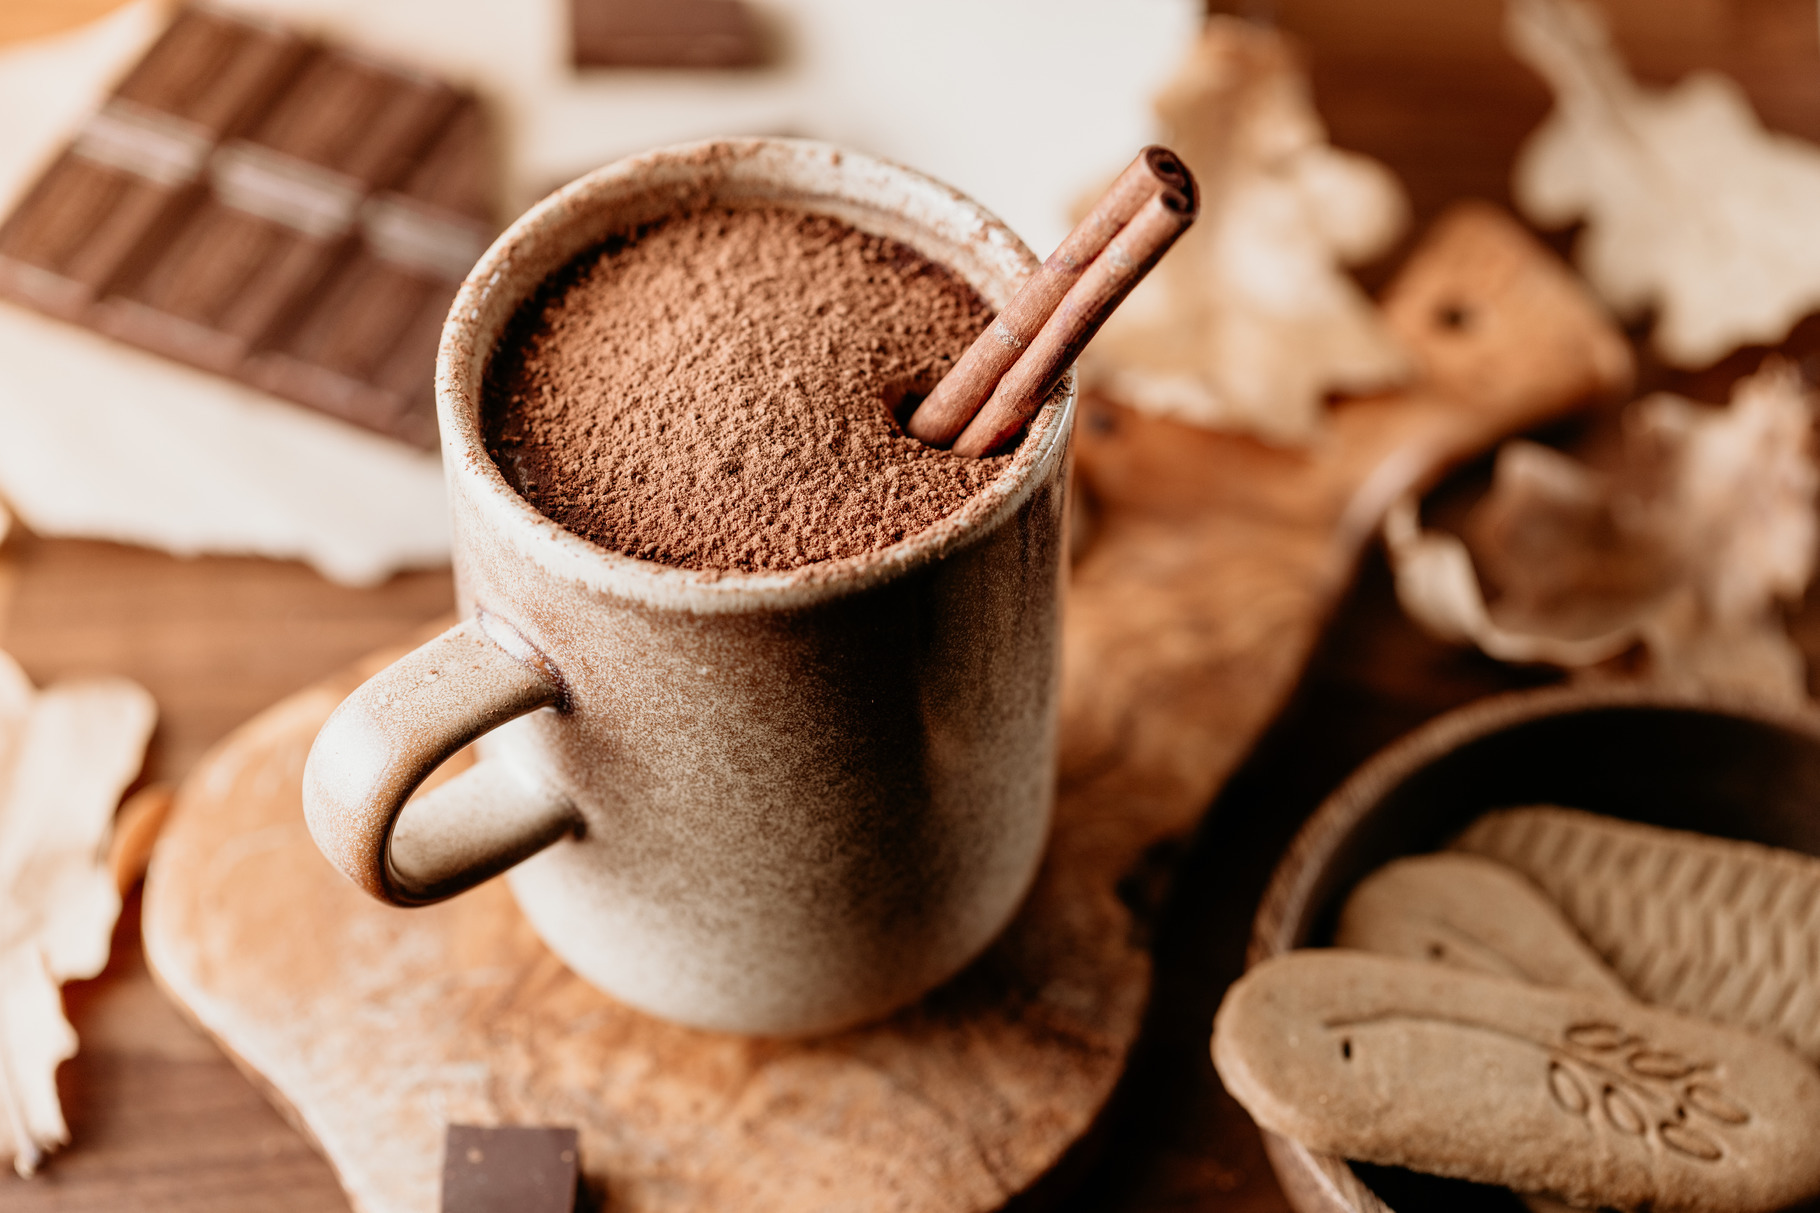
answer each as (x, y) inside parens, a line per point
(1732, 768)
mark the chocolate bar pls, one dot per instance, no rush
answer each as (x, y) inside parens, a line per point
(265, 207)
(510, 1170)
(664, 33)
(361, 349)
(138, 162)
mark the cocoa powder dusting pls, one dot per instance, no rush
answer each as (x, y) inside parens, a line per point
(718, 392)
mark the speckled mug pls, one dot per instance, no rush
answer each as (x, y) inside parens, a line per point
(773, 803)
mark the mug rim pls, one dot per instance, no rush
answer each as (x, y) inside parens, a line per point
(668, 180)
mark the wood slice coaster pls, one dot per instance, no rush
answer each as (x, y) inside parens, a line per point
(1209, 565)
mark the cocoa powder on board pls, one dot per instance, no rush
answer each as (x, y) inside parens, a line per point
(721, 392)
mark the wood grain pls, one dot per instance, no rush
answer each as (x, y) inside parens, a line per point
(214, 639)
(1210, 567)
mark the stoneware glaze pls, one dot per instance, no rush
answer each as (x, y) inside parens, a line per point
(1732, 768)
(774, 803)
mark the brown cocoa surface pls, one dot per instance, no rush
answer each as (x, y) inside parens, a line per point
(719, 391)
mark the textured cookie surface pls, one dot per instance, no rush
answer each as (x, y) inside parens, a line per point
(1599, 1100)
(1471, 913)
(1726, 930)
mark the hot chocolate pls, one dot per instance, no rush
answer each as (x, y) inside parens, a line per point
(779, 804)
(718, 391)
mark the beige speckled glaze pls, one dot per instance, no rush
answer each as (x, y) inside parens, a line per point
(774, 803)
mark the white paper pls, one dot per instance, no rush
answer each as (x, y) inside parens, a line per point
(98, 440)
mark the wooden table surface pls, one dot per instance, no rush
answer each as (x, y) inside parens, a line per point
(162, 1121)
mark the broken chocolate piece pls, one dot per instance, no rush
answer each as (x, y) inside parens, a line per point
(512, 1169)
(664, 33)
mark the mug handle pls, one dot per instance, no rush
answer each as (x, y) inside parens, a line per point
(399, 726)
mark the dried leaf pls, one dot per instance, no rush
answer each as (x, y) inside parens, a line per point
(1690, 549)
(1742, 481)
(1250, 322)
(1437, 587)
(66, 754)
(1691, 205)
(1553, 541)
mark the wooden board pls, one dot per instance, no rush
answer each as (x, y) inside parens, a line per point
(1208, 569)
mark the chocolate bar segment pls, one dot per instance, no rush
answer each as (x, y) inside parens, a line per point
(510, 1170)
(365, 349)
(138, 163)
(282, 204)
(664, 33)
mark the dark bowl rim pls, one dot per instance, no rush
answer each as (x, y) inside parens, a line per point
(1329, 1182)
(1312, 850)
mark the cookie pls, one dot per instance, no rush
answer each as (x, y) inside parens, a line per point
(1726, 930)
(1594, 1099)
(1472, 913)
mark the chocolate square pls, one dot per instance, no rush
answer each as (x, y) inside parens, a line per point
(664, 33)
(510, 1169)
(283, 203)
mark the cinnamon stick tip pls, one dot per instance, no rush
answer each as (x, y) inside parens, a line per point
(1186, 203)
(1168, 168)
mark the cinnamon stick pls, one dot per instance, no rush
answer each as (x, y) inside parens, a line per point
(958, 397)
(1104, 285)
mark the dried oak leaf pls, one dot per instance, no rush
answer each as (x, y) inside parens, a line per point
(66, 754)
(1250, 322)
(1690, 549)
(1690, 204)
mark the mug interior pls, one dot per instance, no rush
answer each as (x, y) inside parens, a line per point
(871, 195)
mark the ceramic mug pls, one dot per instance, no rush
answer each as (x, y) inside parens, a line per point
(773, 803)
